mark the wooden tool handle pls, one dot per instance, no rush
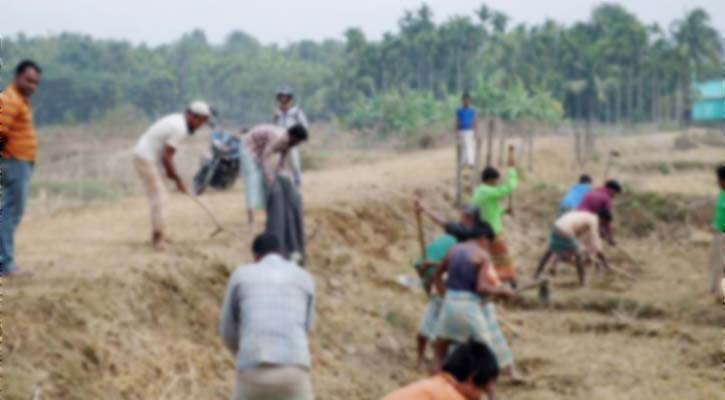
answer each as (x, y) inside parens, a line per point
(421, 236)
(529, 286)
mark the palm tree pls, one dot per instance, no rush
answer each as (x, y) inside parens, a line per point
(697, 45)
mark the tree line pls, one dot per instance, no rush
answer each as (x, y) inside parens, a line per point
(611, 68)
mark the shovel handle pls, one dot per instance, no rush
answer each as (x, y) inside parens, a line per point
(208, 212)
(421, 236)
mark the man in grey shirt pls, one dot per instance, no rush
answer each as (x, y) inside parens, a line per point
(288, 114)
(267, 314)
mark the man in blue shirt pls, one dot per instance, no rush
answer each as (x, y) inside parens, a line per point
(576, 194)
(466, 127)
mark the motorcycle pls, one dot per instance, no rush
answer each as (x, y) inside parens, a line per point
(221, 170)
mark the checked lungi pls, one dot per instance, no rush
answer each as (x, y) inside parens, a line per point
(464, 315)
(561, 244)
(430, 317)
(255, 188)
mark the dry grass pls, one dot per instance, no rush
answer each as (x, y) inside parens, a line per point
(106, 317)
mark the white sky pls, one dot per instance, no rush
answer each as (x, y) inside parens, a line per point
(282, 21)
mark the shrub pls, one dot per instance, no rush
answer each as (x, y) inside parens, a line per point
(684, 142)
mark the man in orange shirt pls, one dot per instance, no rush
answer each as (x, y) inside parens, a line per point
(18, 145)
(469, 372)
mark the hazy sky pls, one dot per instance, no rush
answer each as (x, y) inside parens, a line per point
(282, 21)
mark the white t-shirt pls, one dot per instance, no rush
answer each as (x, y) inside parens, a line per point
(291, 117)
(170, 130)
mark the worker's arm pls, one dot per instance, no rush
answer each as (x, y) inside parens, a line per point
(7, 113)
(271, 148)
(438, 278)
(607, 231)
(275, 116)
(483, 286)
(506, 188)
(167, 160)
(603, 260)
(438, 219)
(485, 193)
(230, 317)
(428, 288)
(302, 118)
(594, 245)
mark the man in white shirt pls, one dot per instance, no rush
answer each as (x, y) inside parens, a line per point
(156, 149)
(288, 114)
(268, 311)
(571, 229)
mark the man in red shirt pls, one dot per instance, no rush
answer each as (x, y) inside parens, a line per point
(599, 200)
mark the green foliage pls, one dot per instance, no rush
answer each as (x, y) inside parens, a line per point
(407, 113)
(642, 211)
(663, 168)
(611, 68)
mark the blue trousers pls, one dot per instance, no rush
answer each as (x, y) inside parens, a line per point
(14, 191)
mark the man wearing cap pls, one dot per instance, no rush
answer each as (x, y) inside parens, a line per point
(156, 149)
(286, 115)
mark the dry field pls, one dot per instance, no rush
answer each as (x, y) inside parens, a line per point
(106, 317)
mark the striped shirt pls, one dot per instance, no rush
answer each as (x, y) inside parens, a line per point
(267, 314)
(16, 124)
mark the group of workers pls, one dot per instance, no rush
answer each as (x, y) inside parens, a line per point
(268, 309)
(265, 153)
(467, 268)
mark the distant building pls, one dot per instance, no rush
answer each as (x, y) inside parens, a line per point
(709, 105)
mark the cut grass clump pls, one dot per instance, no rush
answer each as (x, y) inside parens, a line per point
(685, 142)
(86, 190)
(640, 212)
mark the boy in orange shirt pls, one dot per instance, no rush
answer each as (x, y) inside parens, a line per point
(469, 372)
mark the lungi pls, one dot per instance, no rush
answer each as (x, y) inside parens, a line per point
(254, 186)
(502, 259)
(561, 244)
(430, 318)
(285, 218)
(464, 315)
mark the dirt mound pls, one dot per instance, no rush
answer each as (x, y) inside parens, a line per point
(108, 318)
